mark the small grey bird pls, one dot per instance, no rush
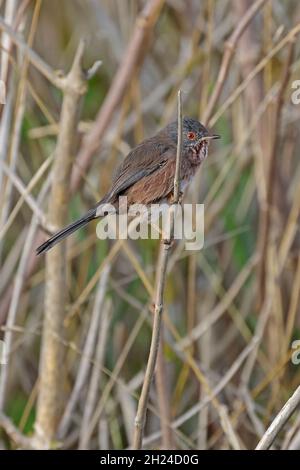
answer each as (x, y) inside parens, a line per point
(146, 175)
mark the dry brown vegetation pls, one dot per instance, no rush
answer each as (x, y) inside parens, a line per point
(77, 323)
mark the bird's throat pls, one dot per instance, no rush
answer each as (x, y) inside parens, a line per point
(198, 153)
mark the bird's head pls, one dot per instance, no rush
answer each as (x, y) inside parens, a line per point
(195, 136)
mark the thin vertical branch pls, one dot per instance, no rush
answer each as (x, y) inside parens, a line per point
(179, 151)
(49, 404)
(162, 392)
(159, 296)
(163, 397)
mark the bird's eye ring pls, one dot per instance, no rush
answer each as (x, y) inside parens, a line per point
(191, 135)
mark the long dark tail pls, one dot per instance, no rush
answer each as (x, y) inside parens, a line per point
(65, 232)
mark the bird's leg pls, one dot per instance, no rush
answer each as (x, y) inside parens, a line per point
(171, 198)
(168, 241)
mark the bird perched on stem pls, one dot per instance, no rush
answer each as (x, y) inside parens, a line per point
(146, 175)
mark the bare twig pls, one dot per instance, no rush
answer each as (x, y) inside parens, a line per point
(276, 426)
(165, 415)
(163, 397)
(233, 439)
(179, 151)
(159, 298)
(13, 432)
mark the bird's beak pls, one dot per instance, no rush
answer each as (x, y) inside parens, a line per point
(210, 137)
(214, 137)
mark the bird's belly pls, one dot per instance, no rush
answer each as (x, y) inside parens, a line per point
(184, 184)
(187, 175)
(191, 164)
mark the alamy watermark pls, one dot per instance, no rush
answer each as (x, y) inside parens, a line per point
(296, 94)
(3, 354)
(296, 352)
(2, 92)
(152, 222)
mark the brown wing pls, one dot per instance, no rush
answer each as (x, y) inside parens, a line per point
(153, 187)
(144, 160)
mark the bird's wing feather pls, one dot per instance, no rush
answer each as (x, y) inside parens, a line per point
(155, 186)
(140, 162)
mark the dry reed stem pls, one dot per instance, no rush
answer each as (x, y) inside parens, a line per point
(159, 296)
(271, 178)
(49, 404)
(163, 396)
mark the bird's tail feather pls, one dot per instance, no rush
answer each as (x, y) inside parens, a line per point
(65, 232)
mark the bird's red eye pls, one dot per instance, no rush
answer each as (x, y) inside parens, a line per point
(191, 135)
